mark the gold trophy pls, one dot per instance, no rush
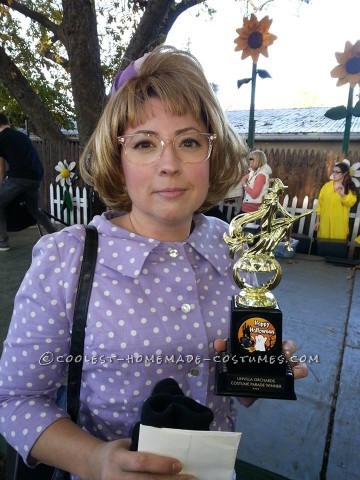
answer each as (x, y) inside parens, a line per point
(254, 364)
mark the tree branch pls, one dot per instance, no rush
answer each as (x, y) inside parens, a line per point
(34, 15)
(28, 99)
(54, 57)
(152, 32)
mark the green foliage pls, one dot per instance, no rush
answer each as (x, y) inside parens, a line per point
(67, 200)
(356, 110)
(243, 82)
(336, 113)
(263, 73)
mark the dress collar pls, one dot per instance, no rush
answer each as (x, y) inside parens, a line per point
(205, 240)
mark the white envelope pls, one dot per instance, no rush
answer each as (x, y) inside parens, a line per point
(206, 455)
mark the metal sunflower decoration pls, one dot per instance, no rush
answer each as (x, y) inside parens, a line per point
(348, 71)
(254, 39)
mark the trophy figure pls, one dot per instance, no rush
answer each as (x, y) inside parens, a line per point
(254, 364)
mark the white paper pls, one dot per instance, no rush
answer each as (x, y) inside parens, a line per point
(205, 454)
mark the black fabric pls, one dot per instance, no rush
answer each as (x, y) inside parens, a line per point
(20, 154)
(16, 469)
(168, 407)
(17, 215)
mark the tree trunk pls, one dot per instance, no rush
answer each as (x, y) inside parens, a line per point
(79, 28)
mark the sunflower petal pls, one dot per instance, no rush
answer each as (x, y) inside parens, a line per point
(241, 43)
(255, 55)
(246, 53)
(265, 24)
(269, 39)
(264, 51)
(338, 72)
(341, 81)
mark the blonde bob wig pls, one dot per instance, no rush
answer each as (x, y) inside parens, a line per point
(176, 78)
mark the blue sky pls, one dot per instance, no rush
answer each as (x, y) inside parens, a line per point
(299, 61)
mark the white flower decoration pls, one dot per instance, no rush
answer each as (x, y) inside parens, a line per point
(66, 175)
(355, 173)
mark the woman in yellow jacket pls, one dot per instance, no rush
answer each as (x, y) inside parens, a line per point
(335, 200)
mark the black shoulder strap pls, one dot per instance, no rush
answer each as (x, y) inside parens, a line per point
(79, 320)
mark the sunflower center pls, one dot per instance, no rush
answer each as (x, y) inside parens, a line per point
(255, 40)
(352, 66)
(65, 173)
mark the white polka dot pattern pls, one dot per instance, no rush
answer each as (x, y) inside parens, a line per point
(154, 311)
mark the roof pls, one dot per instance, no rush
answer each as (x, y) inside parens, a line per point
(307, 123)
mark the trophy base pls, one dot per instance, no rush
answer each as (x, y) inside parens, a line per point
(259, 385)
(253, 364)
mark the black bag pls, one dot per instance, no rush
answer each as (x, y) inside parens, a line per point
(17, 216)
(16, 469)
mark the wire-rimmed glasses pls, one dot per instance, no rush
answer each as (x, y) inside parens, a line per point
(147, 148)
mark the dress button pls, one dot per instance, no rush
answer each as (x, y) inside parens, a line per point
(173, 252)
(185, 308)
(194, 372)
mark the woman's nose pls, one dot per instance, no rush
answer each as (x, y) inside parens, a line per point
(169, 162)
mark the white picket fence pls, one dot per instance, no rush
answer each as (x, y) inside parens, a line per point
(232, 207)
(79, 213)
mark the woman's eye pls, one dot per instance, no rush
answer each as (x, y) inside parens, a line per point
(190, 143)
(143, 145)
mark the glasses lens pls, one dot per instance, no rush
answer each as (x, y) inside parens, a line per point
(193, 147)
(142, 148)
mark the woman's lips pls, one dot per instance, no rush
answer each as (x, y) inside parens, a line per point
(171, 192)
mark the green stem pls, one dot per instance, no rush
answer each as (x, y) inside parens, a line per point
(250, 140)
(346, 138)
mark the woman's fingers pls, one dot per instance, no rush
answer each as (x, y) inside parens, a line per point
(220, 344)
(300, 370)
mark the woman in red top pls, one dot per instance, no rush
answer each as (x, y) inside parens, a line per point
(256, 181)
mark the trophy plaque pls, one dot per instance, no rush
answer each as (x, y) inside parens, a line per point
(253, 364)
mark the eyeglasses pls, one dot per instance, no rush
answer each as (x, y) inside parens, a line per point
(146, 148)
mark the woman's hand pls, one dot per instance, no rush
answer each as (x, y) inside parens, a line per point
(289, 348)
(245, 179)
(66, 446)
(114, 461)
(300, 369)
(340, 190)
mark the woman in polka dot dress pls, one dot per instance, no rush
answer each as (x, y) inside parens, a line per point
(162, 153)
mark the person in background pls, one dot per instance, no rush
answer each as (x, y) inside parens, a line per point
(335, 200)
(23, 175)
(161, 154)
(256, 181)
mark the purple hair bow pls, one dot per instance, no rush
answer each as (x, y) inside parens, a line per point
(131, 71)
